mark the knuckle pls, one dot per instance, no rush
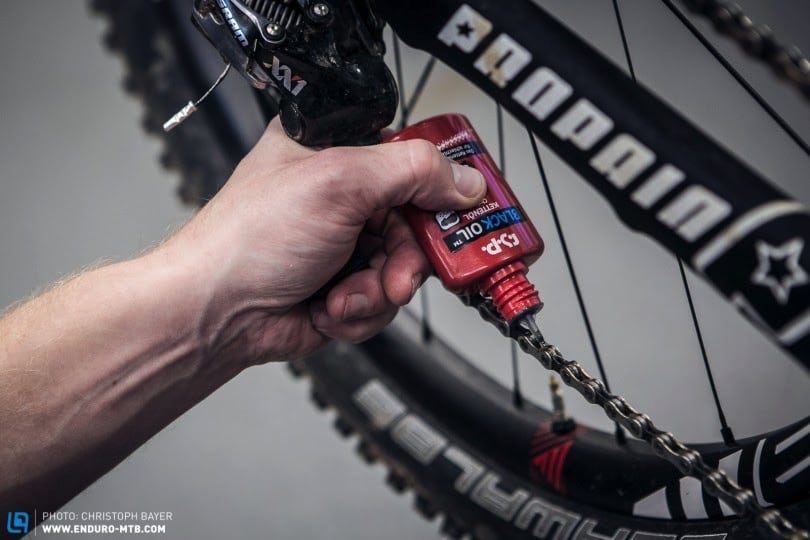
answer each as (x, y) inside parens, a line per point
(425, 159)
(332, 162)
(331, 167)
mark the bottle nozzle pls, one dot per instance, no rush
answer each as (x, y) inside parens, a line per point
(512, 292)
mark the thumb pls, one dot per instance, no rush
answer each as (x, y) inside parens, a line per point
(379, 177)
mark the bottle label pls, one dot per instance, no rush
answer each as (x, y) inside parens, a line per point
(475, 222)
(482, 226)
(467, 247)
(461, 151)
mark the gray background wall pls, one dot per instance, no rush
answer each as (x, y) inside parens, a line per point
(79, 182)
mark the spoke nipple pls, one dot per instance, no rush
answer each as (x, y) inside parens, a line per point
(560, 422)
(728, 436)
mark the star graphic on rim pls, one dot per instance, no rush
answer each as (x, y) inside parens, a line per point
(464, 29)
(779, 269)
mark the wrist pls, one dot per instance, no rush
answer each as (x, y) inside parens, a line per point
(221, 321)
(176, 294)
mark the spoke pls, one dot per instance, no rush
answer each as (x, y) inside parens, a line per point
(407, 105)
(517, 396)
(427, 331)
(725, 430)
(400, 81)
(624, 39)
(620, 436)
(424, 77)
(781, 122)
(501, 143)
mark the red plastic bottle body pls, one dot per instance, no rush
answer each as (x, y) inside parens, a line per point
(485, 248)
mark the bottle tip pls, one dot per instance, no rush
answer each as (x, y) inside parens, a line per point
(514, 296)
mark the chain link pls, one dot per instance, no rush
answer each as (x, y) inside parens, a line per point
(688, 461)
(757, 40)
(789, 63)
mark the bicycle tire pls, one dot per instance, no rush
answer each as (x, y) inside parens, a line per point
(340, 371)
(161, 72)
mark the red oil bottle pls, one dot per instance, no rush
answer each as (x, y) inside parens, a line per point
(486, 248)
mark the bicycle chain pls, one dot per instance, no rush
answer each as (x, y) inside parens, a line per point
(688, 461)
(757, 40)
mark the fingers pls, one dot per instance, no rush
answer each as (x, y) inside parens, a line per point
(358, 296)
(406, 266)
(364, 180)
(392, 174)
(354, 331)
(397, 270)
(435, 181)
(356, 308)
(364, 302)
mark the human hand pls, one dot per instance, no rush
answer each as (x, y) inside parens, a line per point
(288, 219)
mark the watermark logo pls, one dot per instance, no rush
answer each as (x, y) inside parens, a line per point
(17, 523)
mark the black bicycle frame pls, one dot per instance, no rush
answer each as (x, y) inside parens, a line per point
(662, 175)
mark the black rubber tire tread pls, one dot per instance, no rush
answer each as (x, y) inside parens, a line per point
(204, 156)
(340, 369)
(140, 32)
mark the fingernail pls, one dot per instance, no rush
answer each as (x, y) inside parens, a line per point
(416, 282)
(356, 307)
(469, 182)
(320, 318)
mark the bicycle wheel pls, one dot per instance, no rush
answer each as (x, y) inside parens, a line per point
(422, 408)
